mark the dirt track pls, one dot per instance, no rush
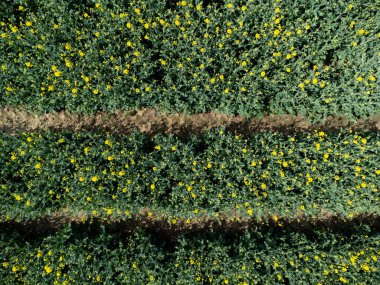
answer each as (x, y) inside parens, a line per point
(151, 122)
(164, 227)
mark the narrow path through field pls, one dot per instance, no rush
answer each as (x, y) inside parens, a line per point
(164, 226)
(151, 122)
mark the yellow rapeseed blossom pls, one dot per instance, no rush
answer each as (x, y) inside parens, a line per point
(48, 269)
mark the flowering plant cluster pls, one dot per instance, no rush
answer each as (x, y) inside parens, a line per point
(266, 172)
(238, 57)
(76, 256)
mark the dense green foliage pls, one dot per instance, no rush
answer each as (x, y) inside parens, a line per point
(309, 57)
(219, 172)
(74, 256)
(313, 58)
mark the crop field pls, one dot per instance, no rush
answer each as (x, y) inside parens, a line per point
(189, 142)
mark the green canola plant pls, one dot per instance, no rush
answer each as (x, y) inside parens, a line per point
(106, 175)
(77, 256)
(312, 58)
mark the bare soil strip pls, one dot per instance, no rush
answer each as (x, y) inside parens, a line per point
(151, 122)
(165, 227)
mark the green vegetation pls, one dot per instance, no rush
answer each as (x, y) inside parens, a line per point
(238, 57)
(77, 256)
(213, 208)
(220, 172)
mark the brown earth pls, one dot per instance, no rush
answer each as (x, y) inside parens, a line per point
(162, 226)
(151, 122)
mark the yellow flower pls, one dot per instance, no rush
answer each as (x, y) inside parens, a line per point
(359, 79)
(28, 64)
(262, 73)
(229, 5)
(152, 186)
(94, 179)
(38, 166)
(137, 11)
(257, 36)
(276, 33)
(48, 269)
(96, 91)
(74, 90)
(17, 197)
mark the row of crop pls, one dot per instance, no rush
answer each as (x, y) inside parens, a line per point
(245, 57)
(73, 256)
(219, 172)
